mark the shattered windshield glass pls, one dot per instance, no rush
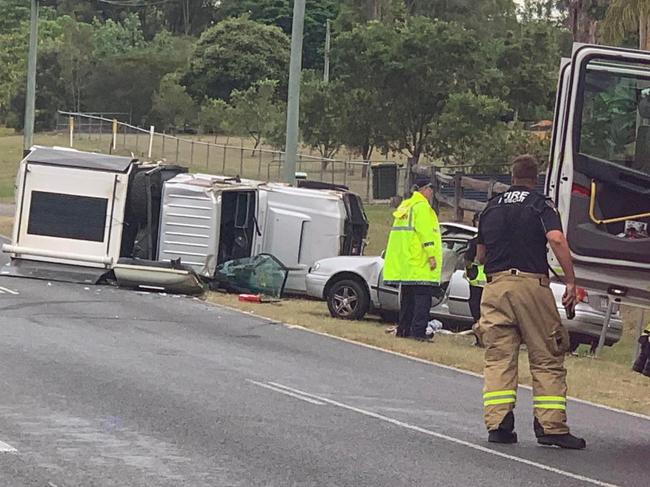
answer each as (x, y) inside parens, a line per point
(261, 274)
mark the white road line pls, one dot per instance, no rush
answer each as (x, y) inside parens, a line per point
(287, 393)
(6, 448)
(451, 439)
(434, 364)
(6, 290)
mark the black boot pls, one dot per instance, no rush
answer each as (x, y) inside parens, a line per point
(565, 440)
(644, 355)
(505, 433)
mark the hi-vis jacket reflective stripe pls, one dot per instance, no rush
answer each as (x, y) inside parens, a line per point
(413, 239)
(475, 275)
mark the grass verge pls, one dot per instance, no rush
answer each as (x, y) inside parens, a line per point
(607, 380)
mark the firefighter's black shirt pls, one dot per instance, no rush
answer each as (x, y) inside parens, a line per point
(513, 228)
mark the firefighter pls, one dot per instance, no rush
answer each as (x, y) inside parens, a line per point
(642, 363)
(518, 307)
(413, 259)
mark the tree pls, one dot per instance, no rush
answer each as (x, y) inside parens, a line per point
(280, 14)
(470, 131)
(171, 105)
(625, 16)
(234, 55)
(111, 38)
(529, 82)
(254, 111)
(320, 114)
(213, 116)
(583, 17)
(416, 84)
(76, 60)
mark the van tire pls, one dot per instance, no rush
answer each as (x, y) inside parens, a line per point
(348, 299)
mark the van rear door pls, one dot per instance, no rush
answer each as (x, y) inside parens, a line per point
(599, 173)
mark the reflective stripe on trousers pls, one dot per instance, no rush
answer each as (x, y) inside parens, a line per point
(494, 398)
(549, 402)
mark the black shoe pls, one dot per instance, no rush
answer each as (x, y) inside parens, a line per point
(505, 433)
(502, 436)
(566, 440)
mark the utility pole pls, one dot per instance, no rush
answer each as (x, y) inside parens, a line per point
(293, 101)
(30, 101)
(328, 45)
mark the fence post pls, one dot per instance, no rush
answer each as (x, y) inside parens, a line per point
(178, 148)
(151, 132)
(162, 156)
(333, 164)
(322, 169)
(71, 129)
(223, 169)
(259, 165)
(114, 133)
(368, 176)
(192, 153)
(345, 170)
(603, 331)
(101, 126)
(124, 136)
(207, 155)
(458, 196)
(137, 140)
(241, 158)
(490, 191)
(435, 204)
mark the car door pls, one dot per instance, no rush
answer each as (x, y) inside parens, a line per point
(387, 294)
(599, 174)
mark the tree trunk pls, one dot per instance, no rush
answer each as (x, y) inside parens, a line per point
(366, 153)
(372, 9)
(581, 24)
(644, 31)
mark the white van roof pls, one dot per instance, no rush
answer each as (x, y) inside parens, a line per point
(59, 156)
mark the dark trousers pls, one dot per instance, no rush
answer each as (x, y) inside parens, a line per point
(414, 308)
(642, 363)
(475, 295)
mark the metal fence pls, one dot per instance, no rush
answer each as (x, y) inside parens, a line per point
(212, 154)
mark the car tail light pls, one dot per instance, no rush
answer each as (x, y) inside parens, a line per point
(580, 190)
(582, 295)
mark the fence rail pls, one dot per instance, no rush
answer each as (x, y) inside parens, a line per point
(213, 154)
(86, 131)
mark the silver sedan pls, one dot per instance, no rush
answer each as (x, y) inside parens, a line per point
(354, 286)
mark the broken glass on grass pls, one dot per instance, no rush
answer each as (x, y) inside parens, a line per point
(260, 274)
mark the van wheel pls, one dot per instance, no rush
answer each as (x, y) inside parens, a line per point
(348, 300)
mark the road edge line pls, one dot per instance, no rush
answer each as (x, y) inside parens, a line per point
(416, 359)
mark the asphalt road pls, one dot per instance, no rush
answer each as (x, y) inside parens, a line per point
(106, 387)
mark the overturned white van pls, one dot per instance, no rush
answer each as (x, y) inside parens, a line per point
(81, 215)
(208, 220)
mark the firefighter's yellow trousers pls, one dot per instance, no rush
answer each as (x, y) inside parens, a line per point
(518, 307)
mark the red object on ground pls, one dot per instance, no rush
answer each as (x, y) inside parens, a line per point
(250, 298)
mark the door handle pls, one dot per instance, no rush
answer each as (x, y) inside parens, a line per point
(598, 221)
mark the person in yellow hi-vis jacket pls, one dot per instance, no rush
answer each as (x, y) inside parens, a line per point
(413, 259)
